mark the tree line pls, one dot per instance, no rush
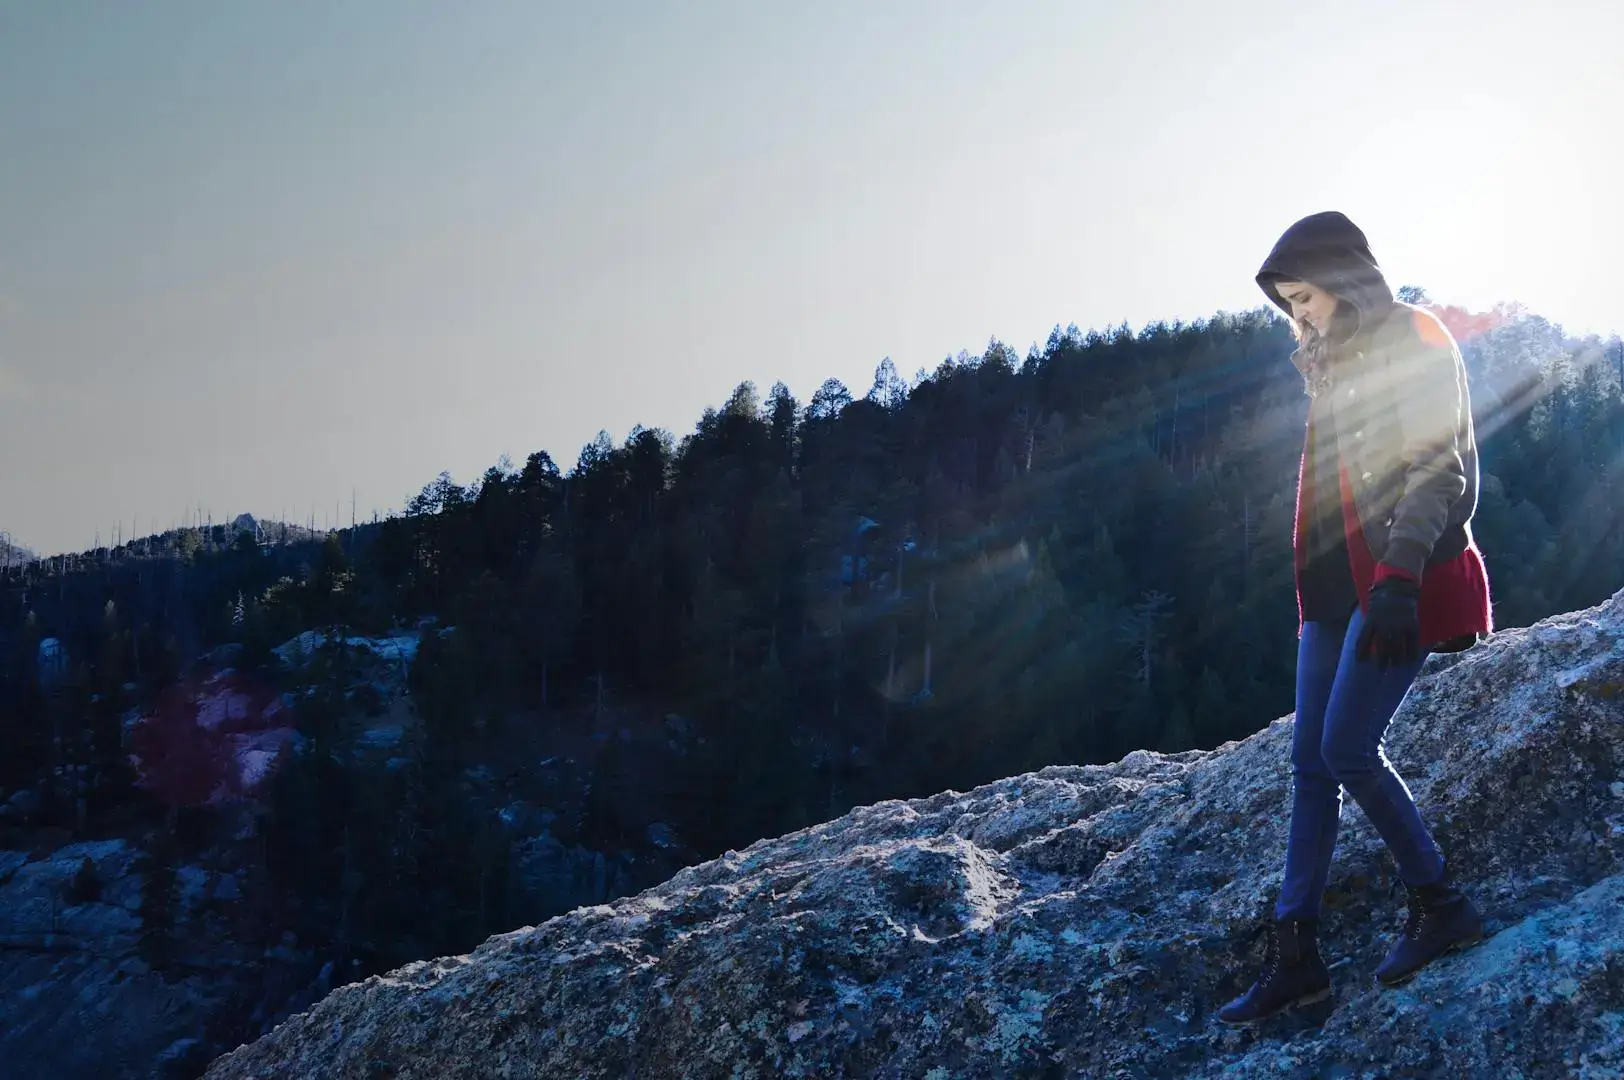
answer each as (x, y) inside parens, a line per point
(1003, 563)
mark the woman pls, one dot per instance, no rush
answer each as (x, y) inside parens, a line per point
(1387, 571)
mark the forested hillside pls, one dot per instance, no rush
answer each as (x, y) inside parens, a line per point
(1007, 562)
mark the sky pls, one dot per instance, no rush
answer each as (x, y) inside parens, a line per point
(278, 257)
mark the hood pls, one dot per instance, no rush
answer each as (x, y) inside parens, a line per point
(1328, 250)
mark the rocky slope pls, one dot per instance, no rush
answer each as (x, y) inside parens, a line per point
(1077, 921)
(84, 991)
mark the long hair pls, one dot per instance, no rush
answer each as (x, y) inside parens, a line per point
(1311, 356)
(1316, 352)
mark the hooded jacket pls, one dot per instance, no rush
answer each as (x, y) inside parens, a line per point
(1393, 418)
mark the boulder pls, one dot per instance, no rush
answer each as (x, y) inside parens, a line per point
(1077, 921)
(77, 998)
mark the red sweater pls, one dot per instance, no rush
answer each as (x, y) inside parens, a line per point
(1454, 595)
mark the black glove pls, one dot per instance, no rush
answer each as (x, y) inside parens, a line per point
(1392, 631)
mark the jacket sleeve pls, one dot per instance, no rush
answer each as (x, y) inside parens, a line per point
(1430, 390)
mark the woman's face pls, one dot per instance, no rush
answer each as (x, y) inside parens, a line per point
(1310, 303)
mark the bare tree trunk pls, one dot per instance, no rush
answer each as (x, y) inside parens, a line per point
(890, 686)
(1173, 438)
(840, 649)
(1248, 533)
(772, 643)
(925, 690)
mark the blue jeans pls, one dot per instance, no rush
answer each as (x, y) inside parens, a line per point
(1343, 709)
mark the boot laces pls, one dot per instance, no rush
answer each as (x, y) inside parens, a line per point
(1417, 920)
(1425, 902)
(1271, 956)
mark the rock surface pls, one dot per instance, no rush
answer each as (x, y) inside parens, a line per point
(78, 995)
(1077, 922)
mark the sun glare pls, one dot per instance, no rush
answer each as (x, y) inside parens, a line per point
(1490, 209)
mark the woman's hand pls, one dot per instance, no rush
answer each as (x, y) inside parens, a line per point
(1392, 630)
